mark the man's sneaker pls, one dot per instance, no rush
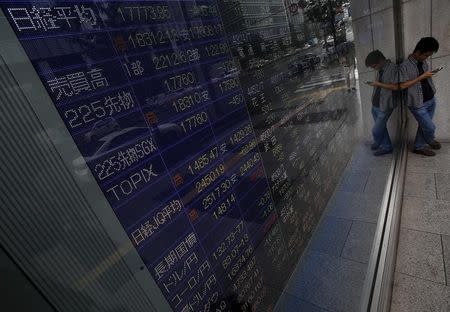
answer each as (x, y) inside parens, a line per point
(424, 151)
(435, 145)
(381, 151)
(374, 146)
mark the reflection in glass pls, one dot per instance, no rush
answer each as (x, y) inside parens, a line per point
(217, 131)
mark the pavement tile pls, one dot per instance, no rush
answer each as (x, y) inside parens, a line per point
(354, 181)
(420, 185)
(376, 184)
(420, 254)
(334, 284)
(411, 294)
(290, 303)
(359, 242)
(330, 236)
(426, 215)
(443, 186)
(362, 207)
(446, 249)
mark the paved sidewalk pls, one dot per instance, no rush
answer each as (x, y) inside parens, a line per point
(422, 274)
(330, 275)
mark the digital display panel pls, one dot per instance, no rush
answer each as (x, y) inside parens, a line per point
(194, 118)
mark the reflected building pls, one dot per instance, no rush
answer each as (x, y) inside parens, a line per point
(297, 23)
(255, 28)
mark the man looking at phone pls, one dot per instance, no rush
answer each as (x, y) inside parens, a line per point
(415, 76)
(382, 100)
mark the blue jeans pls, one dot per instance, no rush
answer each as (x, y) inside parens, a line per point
(425, 130)
(379, 130)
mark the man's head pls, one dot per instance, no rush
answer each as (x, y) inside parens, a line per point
(375, 60)
(425, 48)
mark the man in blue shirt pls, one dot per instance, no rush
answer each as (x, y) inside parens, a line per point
(382, 100)
(415, 75)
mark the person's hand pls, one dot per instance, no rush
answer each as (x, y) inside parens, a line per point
(375, 84)
(426, 75)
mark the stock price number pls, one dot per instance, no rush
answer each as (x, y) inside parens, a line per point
(209, 178)
(216, 49)
(191, 100)
(249, 164)
(147, 39)
(228, 241)
(193, 122)
(180, 81)
(221, 189)
(228, 84)
(144, 13)
(224, 207)
(236, 100)
(240, 262)
(241, 134)
(235, 251)
(175, 58)
(205, 159)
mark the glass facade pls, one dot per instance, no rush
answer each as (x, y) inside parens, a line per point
(191, 155)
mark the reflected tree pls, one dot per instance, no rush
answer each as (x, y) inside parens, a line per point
(320, 11)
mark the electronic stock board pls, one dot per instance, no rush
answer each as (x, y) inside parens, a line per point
(185, 114)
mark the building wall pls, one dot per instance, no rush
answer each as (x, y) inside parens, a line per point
(18, 288)
(373, 24)
(423, 18)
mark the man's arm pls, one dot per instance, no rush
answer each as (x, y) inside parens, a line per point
(390, 79)
(409, 83)
(389, 86)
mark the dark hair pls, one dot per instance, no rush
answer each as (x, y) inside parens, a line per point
(374, 57)
(427, 44)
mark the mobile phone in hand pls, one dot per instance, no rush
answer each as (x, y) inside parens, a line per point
(434, 71)
(369, 82)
